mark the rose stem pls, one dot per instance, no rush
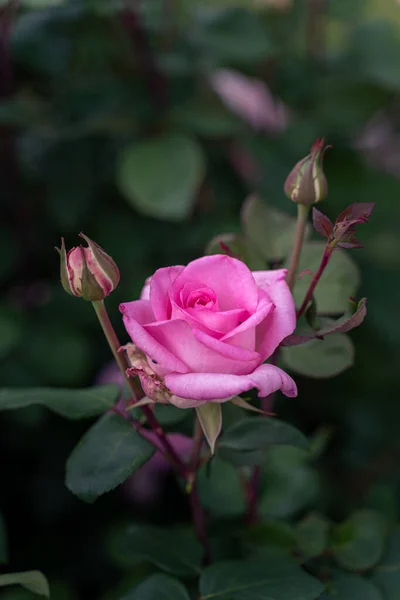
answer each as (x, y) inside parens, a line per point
(302, 214)
(254, 483)
(154, 79)
(137, 393)
(324, 262)
(197, 509)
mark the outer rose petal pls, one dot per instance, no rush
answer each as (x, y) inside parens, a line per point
(145, 293)
(135, 315)
(244, 335)
(160, 286)
(218, 387)
(231, 280)
(282, 321)
(198, 351)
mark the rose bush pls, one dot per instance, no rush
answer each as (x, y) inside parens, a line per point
(207, 328)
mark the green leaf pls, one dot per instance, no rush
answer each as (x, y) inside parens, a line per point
(312, 535)
(387, 574)
(173, 550)
(206, 119)
(289, 485)
(210, 418)
(3, 541)
(359, 542)
(220, 489)
(328, 326)
(380, 66)
(41, 4)
(338, 283)
(34, 581)
(320, 358)
(160, 177)
(237, 245)
(271, 230)
(271, 536)
(246, 442)
(72, 404)
(11, 330)
(109, 452)
(158, 587)
(346, 586)
(273, 579)
(168, 414)
(222, 34)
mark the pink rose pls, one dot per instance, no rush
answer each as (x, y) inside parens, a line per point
(207, 328)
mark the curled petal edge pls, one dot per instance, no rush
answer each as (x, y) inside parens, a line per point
(192, 389)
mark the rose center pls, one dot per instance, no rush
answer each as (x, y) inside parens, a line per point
(203, 298)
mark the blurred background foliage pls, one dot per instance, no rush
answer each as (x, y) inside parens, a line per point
(115, 119)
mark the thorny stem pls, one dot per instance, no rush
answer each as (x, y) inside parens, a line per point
(302, 214)
(324, 262)
(197, 510)
(137, 393)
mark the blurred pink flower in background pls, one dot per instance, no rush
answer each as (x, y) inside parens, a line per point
(251, 100)
(145, 485)
(379, 142)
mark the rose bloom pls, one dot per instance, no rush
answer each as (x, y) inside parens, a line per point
(207, 329)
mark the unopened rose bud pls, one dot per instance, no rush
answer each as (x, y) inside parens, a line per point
(88, 272)
(306, 183)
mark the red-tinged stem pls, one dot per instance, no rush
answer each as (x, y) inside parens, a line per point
(156, 83)
(200, 523)
(302, 214)
(253, 485)
(316, 29)
(9, 171)
(197, 509)
(135, 388)
(324, 262)
(252, 489)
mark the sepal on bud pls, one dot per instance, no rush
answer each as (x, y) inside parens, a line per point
(306, 183)
(88, 273)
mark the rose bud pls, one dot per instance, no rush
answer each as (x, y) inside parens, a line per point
(306, 183)
(88, 272)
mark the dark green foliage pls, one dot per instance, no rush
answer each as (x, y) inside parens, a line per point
(110, 125)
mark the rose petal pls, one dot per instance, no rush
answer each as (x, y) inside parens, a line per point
(135, 316)
(281, 322)
(145, 293)
(217, 386)
(231, 280)
(199, 352)
(228, 350)
(160, 286)
(215, 324)
(244, 335)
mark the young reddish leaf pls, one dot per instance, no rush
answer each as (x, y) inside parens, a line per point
(321, 223)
